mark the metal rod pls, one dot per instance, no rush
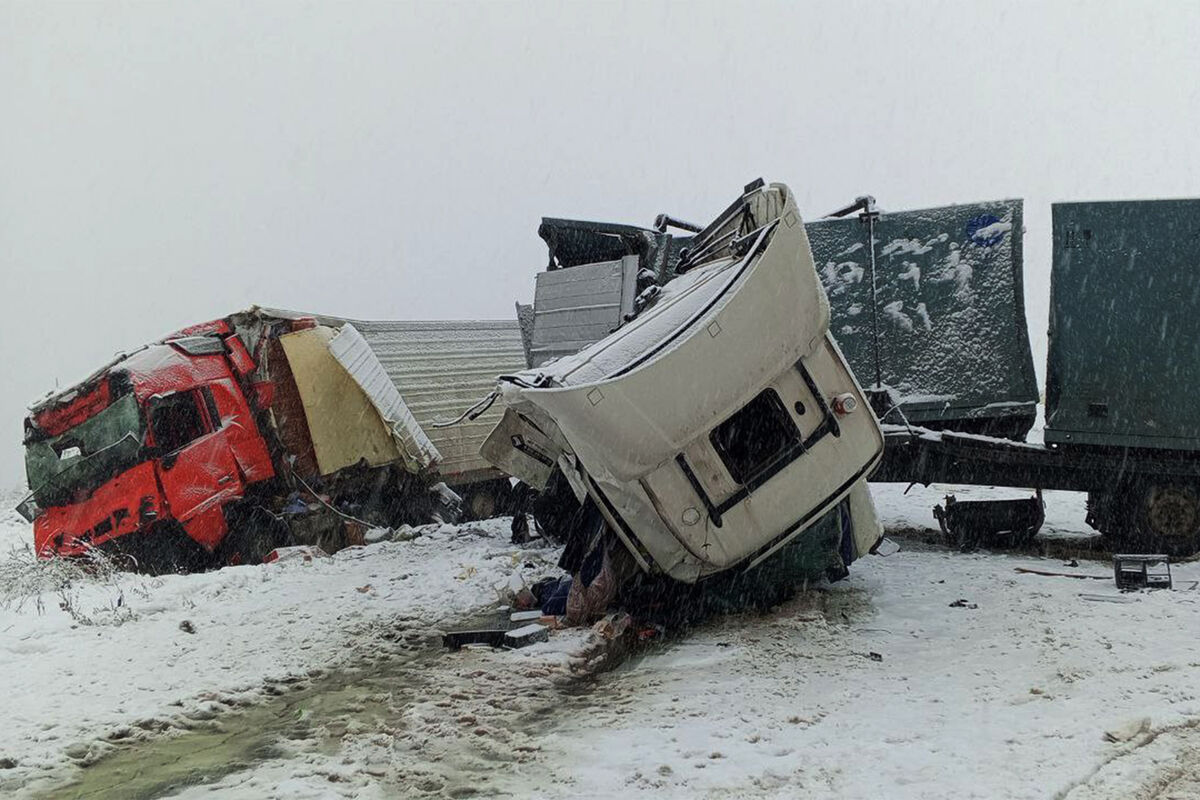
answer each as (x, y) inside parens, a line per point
(874, 300)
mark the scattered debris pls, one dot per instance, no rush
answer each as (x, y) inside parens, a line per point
(1108, 598)
(613, 637)
(886, 547)
(1141, 571)
(493, 637)
(526, 635)
(960, 603)
(967, 524)
(295, 553)
(613, 625)
(187, 627)
(1127, 730)
(497, 637)
(552, 595)
(526, 616)
(1027, 571)
(375, 535)
(405, 533)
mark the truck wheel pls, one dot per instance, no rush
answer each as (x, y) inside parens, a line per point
(483, 505)
(488, 500)
(253, 533)
(1170, 518)
(162, 550)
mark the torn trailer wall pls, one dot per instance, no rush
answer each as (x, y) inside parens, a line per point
(721, 422)
(581, 305)
(944, 325)
(344, 427)
(441, 368)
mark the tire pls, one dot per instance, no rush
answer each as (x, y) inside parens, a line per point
(1168, 517)
(164, 549)
(253, 533)
(482, 504)
(487, 500)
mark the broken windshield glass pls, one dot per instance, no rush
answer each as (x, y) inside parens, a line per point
(82, 458)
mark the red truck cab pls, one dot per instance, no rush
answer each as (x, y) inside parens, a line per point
(163, 438)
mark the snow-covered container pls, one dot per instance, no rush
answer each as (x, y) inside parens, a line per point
(933, 307)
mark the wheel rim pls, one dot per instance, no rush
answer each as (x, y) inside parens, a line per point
(483, 506)
(1173, 512)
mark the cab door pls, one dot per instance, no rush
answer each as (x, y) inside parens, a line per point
(195, 465)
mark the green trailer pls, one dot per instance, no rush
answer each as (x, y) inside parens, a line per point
(928, 306)
(1125, 326)
(1122, 367)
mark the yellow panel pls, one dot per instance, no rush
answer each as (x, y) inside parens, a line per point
(345, 427)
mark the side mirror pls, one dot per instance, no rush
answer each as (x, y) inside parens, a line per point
(28, 508)
(168, 461)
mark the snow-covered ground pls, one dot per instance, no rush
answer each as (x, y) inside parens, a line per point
(72, 692)
(325, 679)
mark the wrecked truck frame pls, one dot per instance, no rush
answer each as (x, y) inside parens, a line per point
(227, 439)
(720, 421)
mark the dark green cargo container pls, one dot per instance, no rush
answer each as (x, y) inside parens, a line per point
(945, 325)
(1124, 357)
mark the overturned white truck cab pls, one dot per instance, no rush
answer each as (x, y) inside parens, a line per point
(720, 422)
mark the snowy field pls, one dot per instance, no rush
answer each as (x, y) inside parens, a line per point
(326, 679)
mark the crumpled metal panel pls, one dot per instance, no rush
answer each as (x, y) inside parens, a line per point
(577, 306)
(442, 368)
(343, 424)
(525, 323)
(635, 408)
(573, 243)
(354, 353)
(949, 333)
(1124, 354)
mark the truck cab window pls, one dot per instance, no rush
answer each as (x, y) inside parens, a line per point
(755, 436)
(176, 421)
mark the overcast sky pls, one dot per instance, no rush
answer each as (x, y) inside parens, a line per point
(166, 163)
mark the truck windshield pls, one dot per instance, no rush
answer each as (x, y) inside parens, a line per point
(82, 458)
